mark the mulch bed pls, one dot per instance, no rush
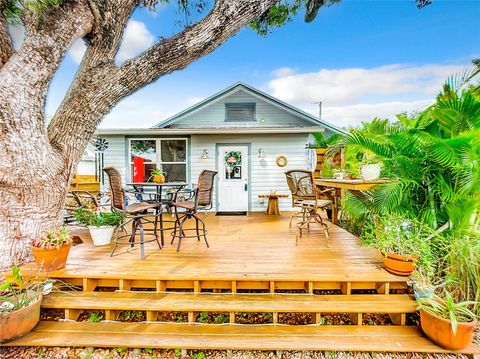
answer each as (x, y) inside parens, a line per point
(111, 353)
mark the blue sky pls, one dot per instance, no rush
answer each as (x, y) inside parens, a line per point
(360, 58)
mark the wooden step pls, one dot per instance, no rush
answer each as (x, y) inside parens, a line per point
(113, 302)
(364, 303)
(232, 337)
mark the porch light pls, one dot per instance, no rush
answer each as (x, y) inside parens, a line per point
(261, 153)
(204, 155)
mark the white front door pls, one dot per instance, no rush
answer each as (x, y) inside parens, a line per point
(232, 162)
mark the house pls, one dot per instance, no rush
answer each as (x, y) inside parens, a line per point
(248, 136)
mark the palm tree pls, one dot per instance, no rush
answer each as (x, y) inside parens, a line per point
(433, 158)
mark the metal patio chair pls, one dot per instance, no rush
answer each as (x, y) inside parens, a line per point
(198, 199)
(137, 213)
(307, 197)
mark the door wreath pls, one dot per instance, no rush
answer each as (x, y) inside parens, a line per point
(233, 158)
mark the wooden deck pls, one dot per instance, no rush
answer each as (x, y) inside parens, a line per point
(252, 251)
(252, 266)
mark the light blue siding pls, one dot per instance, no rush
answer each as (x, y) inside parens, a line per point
(266, 114)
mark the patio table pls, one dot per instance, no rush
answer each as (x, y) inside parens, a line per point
(344, 184)
(140, 186)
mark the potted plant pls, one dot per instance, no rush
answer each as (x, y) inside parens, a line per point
(370, 169)
(328, 169)
(51, 250)
(446, 322)
(421, 283)
(157, 175)
(100, 224)
(402, 241)
(20, 305)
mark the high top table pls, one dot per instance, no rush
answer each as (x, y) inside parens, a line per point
(344, 184)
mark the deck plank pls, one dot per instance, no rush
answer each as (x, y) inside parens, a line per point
(254, 247)
(296, 303)
(233, 337)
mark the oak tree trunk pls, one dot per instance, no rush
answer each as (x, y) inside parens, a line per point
(38, 162)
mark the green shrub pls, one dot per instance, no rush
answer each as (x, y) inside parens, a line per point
(88, 217)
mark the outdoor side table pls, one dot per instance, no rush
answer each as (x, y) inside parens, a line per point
(272, 207)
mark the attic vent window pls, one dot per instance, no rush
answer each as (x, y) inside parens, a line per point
(240, 112)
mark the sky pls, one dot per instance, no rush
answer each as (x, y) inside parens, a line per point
(362, 59)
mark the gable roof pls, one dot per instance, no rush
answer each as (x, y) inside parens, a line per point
(252, 91)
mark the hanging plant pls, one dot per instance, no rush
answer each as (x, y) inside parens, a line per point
(233, 158)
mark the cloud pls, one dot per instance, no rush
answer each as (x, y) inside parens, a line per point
(136, 39)
(283, 72)
(336, 87)
(17, 34)
(77, 50)
(194, 100)
(353, 115)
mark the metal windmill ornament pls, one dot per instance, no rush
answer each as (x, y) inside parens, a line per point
(101, 144)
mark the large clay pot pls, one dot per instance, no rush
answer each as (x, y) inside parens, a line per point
(50, 259)
(20, 322)
(439, 330)
(399, 265)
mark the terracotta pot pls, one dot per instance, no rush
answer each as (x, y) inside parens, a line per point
(20, 322)
(50, 259)
(158, 179)
(439, 330)
(399, 265)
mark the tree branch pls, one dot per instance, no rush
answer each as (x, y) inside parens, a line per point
(177, 52)
(100, 85)
(6, 47)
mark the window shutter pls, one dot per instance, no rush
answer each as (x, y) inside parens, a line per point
(240, 112)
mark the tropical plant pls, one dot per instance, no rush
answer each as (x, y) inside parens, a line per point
(403, 236)
(87, 217)
(446, 307)
(53, 238)
(433, 159)
(156, 172)
(19, 292)
(459, 266)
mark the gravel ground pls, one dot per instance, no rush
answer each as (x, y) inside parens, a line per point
(109, 353)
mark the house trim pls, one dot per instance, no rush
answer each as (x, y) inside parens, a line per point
(255, 92)
(205, 131)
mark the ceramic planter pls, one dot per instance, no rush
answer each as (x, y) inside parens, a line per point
(20, 322)
(371, 171)
(399, 265)
(50, 259)
(439, 330)
(102, 235)
(158, 179)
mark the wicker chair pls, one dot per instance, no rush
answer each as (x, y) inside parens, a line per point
(199, 199)
(136, 214)
(307, 197)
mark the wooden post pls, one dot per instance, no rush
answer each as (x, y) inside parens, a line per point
(161, 285)
(125, 284)
(89, 285)
(72, 314)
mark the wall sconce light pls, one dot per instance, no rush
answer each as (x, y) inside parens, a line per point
(204, 155)
(261, 153)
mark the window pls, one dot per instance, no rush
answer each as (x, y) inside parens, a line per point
(239, 112)
(169, 155)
